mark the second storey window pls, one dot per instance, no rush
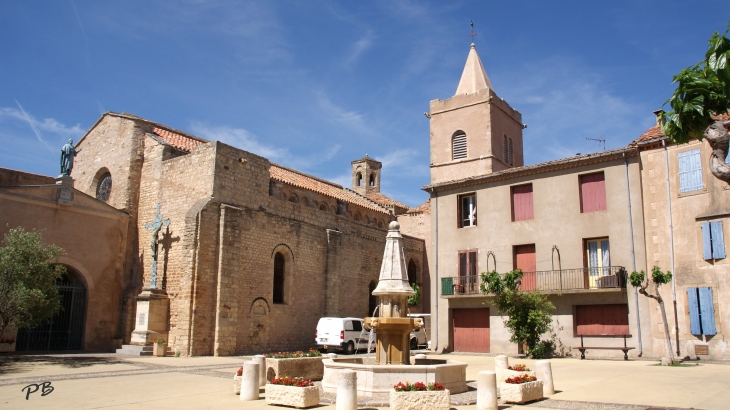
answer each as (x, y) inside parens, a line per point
(701, 311)
(467, 210)
(522, 203)
(690, 171)
(713, 241)
(458, 145)
(592, 192)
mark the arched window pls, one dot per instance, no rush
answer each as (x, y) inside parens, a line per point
(359, 179)
(323, 206)
(372, 179)
(104, 187)
(510, 153)
(305, 201)
(372, 300)
(279, 278)
(505, 153)
(293, 198)
(366, 220)
(380, 224)
(412, 272)
(358, 218)
(458, 145)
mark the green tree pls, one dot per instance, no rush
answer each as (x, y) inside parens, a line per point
(413, 300)
(703, 92)
(27, 293)
(641, 282)
(528, 313)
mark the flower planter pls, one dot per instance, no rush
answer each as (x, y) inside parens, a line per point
(418, 400)
(521, 393)
(117, 343)
(237, 384)
(299, 397)
(503, 374)
(310, 368)
(7, 347)
(159, 349)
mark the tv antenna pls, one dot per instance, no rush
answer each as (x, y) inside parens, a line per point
(600, 140)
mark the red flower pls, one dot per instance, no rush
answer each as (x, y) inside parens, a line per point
(240, 371)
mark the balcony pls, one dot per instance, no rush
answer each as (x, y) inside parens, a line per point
(551, 281)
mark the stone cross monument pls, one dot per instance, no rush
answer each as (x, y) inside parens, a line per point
(156, 224)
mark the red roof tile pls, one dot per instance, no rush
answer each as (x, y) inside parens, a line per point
(179, 141)
(423, 208)
(385, 200)
(320, 186)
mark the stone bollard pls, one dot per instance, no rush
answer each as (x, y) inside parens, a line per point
(346, 390)
(544, 373)
(331, 356)
(420, 356)
(487, 390)
(250, 381)
(501, 362)
(261, 361)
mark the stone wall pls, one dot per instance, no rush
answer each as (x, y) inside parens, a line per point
(11, 177)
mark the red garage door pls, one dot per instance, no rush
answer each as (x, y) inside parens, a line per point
(602, 320)
(471, 330)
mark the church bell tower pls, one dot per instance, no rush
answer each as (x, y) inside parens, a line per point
(366, 175)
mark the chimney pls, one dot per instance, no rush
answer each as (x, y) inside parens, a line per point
(660, 119)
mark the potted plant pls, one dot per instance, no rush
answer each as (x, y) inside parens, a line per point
(117, 342)
(159, 348)
(296, 392)
(521, 389)
(237, 380)
(516, 370)
(7, 345)
(307, 365)
(419, 396)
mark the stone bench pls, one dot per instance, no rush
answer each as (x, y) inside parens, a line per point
(583, 348)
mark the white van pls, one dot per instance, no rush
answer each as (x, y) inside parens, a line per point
(420, 337)
(341, 333)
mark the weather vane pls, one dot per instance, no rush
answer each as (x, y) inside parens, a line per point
(473, 34)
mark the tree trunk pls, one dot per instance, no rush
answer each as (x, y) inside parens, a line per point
(667, 338)
(719, 140)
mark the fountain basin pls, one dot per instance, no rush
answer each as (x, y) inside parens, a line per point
(375, 380)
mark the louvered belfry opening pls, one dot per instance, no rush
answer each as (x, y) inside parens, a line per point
(458, 145)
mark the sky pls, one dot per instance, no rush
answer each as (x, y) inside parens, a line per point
(314, 85)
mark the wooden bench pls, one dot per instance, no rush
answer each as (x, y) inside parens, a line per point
(583, 348)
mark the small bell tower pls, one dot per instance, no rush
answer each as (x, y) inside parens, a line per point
(366, 175)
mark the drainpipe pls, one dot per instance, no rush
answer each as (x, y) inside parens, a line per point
(671, 247)
(436, 267)
(633, 253)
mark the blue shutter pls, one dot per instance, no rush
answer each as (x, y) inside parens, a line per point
(696, 173)
(694, 312)
(707, 311)
(684, 171)
(718, 241)
(690, 170)
(706, 241)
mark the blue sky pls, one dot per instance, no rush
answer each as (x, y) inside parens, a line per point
(316, 84)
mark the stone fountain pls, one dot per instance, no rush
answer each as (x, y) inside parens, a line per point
(392, 362)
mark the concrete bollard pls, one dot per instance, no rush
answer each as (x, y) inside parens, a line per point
(420, 356)
(346, 390)
(544, 373)
(501, 362)
(250, 381)
(331, 356)
(261, 361)
(487, 390)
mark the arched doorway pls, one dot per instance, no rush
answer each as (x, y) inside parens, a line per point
(412, 272)
(65, 330)
(372, 299)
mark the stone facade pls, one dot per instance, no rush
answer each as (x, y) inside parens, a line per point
(231, 213)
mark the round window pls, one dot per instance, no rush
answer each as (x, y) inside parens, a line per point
(104, 189)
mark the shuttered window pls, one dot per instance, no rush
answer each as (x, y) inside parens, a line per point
(522, 208)
(467, 212)
(592, 192)
(510, 154)
(458, 146)
(690, 171)
(701, 311)
(505, 154)
(713, 241)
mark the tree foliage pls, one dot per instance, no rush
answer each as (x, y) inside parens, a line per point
(27, 292)
(413, 300)
(528, 313)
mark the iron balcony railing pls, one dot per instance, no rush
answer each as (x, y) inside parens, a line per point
(551, 280)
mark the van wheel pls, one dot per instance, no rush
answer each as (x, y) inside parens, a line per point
(349, 348)
(414, 344)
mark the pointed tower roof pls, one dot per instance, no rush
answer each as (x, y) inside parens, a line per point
(474, 78)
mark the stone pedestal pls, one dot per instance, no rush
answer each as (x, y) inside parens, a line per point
(393, 344)
(346, 391)
(250, 382)
(65, 191)
(544, 373)
(153, 308)
(487, 391)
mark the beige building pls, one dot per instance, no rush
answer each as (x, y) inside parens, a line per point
(687, 213)
(574, 226)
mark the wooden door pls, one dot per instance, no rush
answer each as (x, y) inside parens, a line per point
(471, 330)
(525, 259)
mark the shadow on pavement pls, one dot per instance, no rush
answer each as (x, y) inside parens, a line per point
(19, 363)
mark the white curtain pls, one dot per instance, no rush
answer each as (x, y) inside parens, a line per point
(593, 258)
(606, 262)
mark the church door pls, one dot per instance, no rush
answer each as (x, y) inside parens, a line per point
(65, 330)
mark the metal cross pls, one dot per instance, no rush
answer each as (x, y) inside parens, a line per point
(156, 225)
(473, 34)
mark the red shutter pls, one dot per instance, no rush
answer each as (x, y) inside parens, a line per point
(522, 208)
(525, 260)
(593, 192)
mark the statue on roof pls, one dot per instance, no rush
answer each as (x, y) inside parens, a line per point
(68, 152)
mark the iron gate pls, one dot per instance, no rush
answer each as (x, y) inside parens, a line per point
(65, 330)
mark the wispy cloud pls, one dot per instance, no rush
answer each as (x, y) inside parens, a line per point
(351, 119)
(243, 139)
(406, 162)
(49, 125)
(359, 47)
